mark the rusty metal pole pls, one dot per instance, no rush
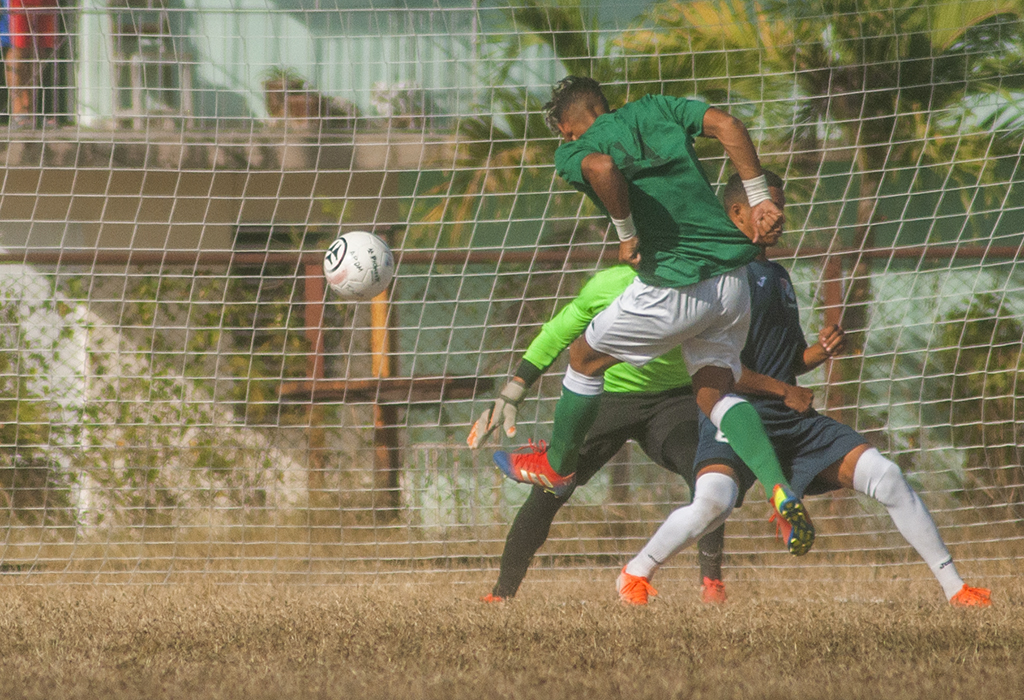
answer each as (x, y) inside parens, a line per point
(832, 291)
(386, 450)
(618, 494)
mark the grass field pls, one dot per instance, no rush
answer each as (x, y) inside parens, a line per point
(563, 639)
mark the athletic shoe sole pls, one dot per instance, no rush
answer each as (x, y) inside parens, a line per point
(802, 536)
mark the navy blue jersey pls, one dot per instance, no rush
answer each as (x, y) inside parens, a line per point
(775, 340)
(805, 443)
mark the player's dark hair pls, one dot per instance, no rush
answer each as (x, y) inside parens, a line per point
(567, 92)
(734, 191)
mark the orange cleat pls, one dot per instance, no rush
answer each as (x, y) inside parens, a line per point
(491, 598)
(712, 591)
(968, 597)
(634, 590)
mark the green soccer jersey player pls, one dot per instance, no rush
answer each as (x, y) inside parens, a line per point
(639, 165)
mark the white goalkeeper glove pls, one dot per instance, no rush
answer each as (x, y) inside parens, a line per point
(504, 411)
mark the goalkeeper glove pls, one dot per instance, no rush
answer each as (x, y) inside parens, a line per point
(504, 411)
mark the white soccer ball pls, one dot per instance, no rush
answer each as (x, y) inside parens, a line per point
(359, 265)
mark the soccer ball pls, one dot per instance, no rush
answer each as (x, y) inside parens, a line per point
(359, 265)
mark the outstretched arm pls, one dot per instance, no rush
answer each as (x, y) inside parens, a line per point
(831, 340)
(554, 337)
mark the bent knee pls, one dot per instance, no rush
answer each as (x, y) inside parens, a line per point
(880, 478)
(715, 494)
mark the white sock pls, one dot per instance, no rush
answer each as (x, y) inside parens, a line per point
(882, 480)
(581, 384)
(713, 499)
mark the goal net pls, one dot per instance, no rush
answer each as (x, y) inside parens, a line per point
(181, 394)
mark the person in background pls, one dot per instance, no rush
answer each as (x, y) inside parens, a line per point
(33, 36)
(5, 44)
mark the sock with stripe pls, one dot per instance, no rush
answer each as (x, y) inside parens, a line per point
(742, 427)
(575, 413)
(883, 480)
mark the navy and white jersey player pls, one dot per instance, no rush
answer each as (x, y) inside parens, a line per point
(819, 453)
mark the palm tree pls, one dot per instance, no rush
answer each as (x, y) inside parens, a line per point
(976, 398)
(889, 81)
(501, 156)
(507, 152)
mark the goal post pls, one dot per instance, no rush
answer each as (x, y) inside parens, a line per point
(181, 395)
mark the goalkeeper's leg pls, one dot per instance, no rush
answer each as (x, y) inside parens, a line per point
(532, 523)
(529, 531)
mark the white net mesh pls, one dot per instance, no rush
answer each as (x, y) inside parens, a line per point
(180, 393)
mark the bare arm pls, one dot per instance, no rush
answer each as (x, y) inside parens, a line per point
(795, 397)
(733, 136)
(609, 185)
(831, 340)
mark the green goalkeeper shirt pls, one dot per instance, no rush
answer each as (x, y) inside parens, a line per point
(660, 374)
(684, 233)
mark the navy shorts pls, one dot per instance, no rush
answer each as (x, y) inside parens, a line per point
(806, 444)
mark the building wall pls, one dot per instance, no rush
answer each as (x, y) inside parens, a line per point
(354, 54)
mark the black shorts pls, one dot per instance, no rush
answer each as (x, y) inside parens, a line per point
(806, 444)
(663, 424)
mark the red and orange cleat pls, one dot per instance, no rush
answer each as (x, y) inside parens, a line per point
(635, 590)
(491, 598)
(712, 591)
(529, 465)
(968, 597)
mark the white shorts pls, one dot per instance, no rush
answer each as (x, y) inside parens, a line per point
(708, 320)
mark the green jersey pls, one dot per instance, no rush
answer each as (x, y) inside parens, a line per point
(684, 234)
(660, 374)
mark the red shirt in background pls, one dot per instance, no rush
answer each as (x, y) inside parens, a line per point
(33, 23)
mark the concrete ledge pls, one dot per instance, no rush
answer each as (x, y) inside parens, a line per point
(267, 150)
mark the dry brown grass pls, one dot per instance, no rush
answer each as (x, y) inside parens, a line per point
(562, 639)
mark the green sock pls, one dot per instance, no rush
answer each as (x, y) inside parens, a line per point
(743, 429)
(574, 414)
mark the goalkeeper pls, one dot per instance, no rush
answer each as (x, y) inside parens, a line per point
(652, 405)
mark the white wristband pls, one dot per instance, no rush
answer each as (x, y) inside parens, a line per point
(757, 190)
(624, 227)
